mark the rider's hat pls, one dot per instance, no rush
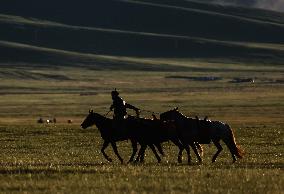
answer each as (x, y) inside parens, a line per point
(114, 92)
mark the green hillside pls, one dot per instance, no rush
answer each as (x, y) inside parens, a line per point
(55, 34)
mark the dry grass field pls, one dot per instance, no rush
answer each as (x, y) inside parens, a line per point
(63, 158)
(59, 59)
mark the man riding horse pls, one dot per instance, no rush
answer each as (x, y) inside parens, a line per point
(119, 107)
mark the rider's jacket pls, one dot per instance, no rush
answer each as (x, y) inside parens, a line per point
(119, 106)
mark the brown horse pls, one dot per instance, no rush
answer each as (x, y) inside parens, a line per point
(146, 132)
(153, 131)
(109, 135)
(195, 130)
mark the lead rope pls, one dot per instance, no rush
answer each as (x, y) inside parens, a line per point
(149, 111)
(107, 113)
(152, 112)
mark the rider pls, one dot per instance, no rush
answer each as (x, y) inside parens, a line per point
(119, 106)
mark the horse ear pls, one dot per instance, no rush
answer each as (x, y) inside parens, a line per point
(206, 118)
(91, 111)
(176, 108)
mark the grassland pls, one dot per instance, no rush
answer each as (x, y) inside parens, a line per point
(59, 61)
(66, 159)
(63, 158)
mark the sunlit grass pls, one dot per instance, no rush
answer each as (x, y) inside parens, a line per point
(64, 158)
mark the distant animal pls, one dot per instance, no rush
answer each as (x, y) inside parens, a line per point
(192, 130)
(40, 120)
(48, 121)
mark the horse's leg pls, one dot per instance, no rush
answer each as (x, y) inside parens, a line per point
(114, 147)
(180, 146)
(180, 154)
(134, 150)
(193, 145)
(155, 152)
(160, 149)
(105, 144)
(141, 153)
(188, 153)
(231, 150)
(219, 147)
(233, 156)
(199, 147)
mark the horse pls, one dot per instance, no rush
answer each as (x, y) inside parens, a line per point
(153, 131)
(112, 134)
(108, 134)
(217, 131)
(186, 127)
(192, 130)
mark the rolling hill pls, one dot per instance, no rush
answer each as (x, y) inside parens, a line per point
(79, 34)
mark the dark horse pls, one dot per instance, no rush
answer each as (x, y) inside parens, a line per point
(203, 131)
(146, 132)
(108, 133)
(153, 131)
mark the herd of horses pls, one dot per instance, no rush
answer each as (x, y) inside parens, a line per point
(183, 131)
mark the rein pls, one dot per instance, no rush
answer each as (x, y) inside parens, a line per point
(149, 111)
(107, 113)
(142, 110)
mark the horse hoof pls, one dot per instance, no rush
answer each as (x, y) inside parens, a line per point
(142, 161)
(138, 161)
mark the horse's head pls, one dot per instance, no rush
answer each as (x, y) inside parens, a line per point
(89, 120)
(169, 115)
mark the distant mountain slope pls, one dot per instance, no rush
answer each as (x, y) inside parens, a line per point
(117, 42)
(143, 28)
(248, 13)
(153, 17)
(28, 56)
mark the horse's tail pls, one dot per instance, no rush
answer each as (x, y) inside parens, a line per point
(233, 145)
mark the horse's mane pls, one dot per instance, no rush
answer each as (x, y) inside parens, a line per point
(101, 116)
(183, 115)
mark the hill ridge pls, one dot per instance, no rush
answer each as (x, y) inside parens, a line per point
(45, 23)
(143, 28)
(238, 17)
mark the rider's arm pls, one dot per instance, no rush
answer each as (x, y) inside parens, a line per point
(131, 107)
